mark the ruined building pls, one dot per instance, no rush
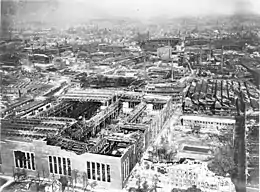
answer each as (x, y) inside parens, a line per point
(95, 133)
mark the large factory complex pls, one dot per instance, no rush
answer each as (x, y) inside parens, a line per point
(99, 131)
(120, 114)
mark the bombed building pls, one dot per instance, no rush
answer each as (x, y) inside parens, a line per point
(95, 133)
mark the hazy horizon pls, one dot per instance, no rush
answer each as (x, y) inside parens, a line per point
(66, 11)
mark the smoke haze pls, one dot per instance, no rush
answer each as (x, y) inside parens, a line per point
(66, 11)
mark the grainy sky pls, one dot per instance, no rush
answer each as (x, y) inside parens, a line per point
(75, 10)
(151, 8)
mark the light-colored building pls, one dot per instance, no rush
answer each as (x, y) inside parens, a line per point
(183, 176)
(209, 124)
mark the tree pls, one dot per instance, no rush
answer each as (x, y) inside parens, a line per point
(193, 189)
(223, 161)
(155, 182)
(139, 181)
(74, 176)
(64, 182)
(85, 180)
(145, 186)
(70, 179)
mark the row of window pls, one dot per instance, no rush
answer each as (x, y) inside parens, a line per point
(132, 105)
(98, 171)
(62, 166)
(206, 122)
(59, 165)
(157, 107)
(24, 160)
(126, 169)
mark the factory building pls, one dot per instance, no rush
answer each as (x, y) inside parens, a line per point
(90, 134)
(208, 122)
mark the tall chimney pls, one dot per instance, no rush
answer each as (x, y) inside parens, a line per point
(210, 49)
(200, 55)
(222, 59)
(145, 74)
(172, 70)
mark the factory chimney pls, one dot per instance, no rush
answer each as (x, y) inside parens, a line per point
(210, 49)
(145, 74)
(200, 61)
(172, 70)
(222, 59)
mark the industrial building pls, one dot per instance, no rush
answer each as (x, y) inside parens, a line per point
(93, 132)
(218, 97)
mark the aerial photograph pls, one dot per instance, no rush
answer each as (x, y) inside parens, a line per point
(129, 95)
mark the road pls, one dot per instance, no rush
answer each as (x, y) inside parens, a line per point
(174, 119)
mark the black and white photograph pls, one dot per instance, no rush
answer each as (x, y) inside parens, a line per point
(129, 95)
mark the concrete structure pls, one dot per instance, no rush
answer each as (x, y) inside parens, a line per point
(209, 124)
(86, 142)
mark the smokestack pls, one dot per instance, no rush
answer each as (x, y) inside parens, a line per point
(145, 74)
(200, 55)
(210, 49)
(172, 71)
(222, 59)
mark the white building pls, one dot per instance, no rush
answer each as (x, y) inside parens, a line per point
(189, 173)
